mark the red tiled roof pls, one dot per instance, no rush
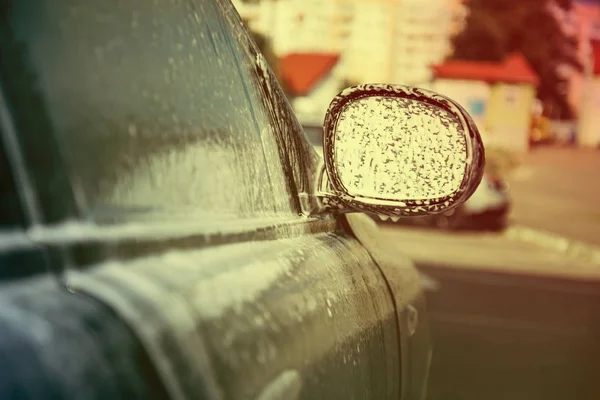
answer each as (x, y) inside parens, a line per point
(302, 71)
(514, 69)
(596, 55)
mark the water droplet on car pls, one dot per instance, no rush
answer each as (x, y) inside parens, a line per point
(132, 130)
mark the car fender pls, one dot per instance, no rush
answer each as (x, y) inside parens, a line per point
(407, 291)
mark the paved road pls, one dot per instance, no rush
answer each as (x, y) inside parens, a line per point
(558, 190)
(510, 320)
(488, 251)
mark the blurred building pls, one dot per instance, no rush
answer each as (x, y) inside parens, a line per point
(310, 79)
(589, 115)
(391, 41)
(585, 87)
(295, 26)
(422, 32)
(583, 23)
(499, 96)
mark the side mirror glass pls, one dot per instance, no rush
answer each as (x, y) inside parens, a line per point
(399, 151)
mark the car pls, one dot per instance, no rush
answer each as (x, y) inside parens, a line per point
(166, 230)
(487, 209)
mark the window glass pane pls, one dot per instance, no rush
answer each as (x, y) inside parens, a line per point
(156, 108)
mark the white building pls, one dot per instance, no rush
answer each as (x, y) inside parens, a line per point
(582, 23)
(423, 31)
(296, 26)
(378, 40)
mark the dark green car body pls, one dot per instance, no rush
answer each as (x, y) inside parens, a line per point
(156, 240)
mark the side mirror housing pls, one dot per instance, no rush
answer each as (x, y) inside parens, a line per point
(398, 151)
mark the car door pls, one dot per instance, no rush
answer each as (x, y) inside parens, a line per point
(174, 186)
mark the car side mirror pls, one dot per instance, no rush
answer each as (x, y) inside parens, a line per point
(398, 151)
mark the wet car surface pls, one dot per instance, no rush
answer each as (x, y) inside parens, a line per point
(156, 230)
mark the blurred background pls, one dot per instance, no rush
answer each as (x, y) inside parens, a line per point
(513, 275)
(493, 56)
(527, 71)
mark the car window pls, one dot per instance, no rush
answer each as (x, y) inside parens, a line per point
(156, 107)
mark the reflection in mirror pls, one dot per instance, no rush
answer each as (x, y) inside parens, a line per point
(393, 148)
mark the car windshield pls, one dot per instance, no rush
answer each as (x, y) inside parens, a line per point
(156, 109)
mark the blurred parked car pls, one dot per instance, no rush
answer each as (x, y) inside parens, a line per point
(161, 233)
(486, 209)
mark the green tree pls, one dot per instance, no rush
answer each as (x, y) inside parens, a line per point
(496, 28)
